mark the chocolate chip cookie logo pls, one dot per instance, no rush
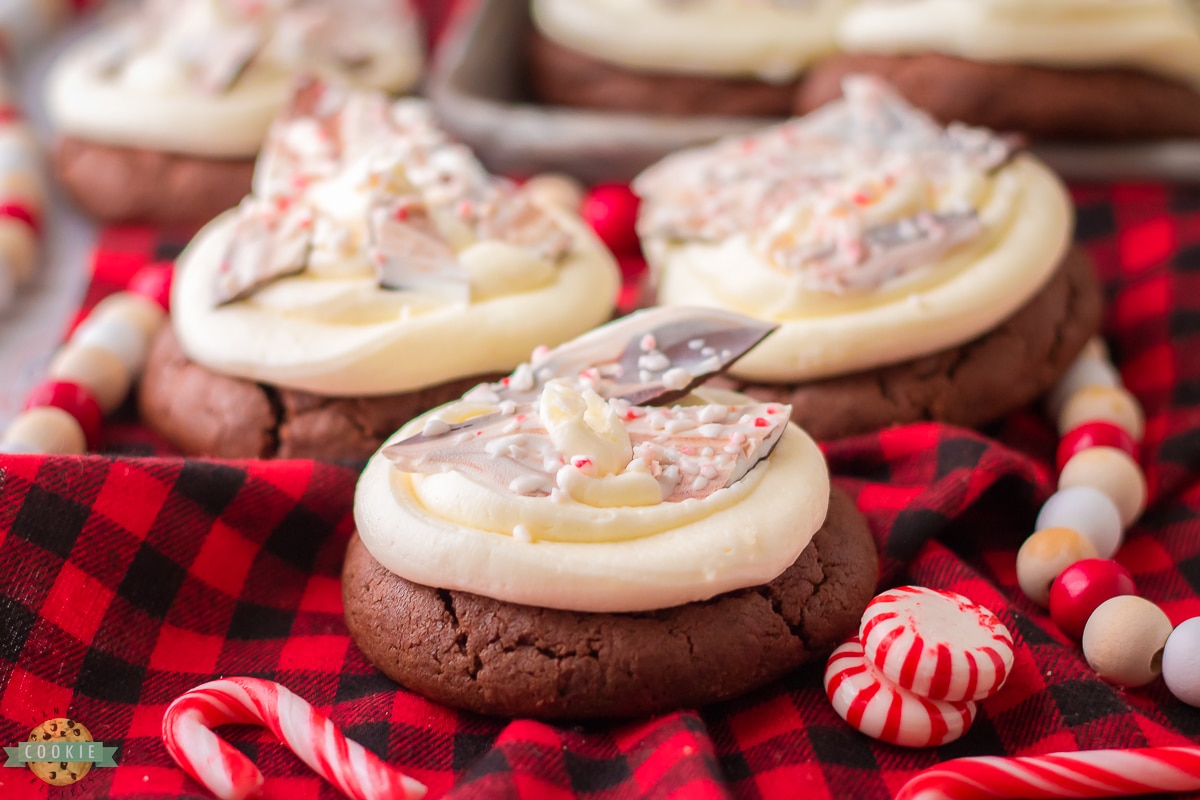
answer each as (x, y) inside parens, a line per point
(60, 751)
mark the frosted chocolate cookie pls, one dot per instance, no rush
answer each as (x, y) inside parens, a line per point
(1070, 69)
(713, 57)
(892, 252)
(595, 536)
(162, 109)
(376, 270)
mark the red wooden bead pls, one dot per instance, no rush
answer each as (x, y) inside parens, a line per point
(1082, 587)
(1094, 434)
(76, 401)
(154, 282)
(611, 209)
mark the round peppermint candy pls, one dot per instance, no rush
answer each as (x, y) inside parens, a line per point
(936, 644)
(886, 712)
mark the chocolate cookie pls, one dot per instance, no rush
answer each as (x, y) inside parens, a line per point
(500, 658)
(971, 384)
(204, 413)
(122, 184)
(1043, 102)
(561, 76)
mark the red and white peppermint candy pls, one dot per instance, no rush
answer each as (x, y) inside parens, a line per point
(936, 644)
(883, 710)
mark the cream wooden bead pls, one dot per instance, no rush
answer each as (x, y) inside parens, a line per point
(554, 189)
(45, 429)
(1103, 404)
(101, 372)
(1124, 639)
(1111, 471)
(1045, 555)
(23, 186)
(118, 336)
(18, 249)
(1084, 372)
(135, 309)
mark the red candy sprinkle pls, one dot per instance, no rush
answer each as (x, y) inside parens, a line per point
(1094, 434)
(611, 210)
(1082, 587)
(154, 282)
(759, 422)
(76, 401)
(23, 213)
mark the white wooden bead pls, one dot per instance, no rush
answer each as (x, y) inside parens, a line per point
(135, 309)
(555, 190)
(1044, 555)
(1082, 373)
(46, 429)
(1087, 510)
(1111, 471)
(99, 371)
(1103, 404)
(1181, 662)
(1124, 639)
(18, 248)
(118, 336)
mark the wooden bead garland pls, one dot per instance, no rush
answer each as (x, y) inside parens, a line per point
(1101, 492)
(92, 373)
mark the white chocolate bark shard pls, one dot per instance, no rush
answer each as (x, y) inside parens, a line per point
(390, 192)
(651, 356)
(564, 414)
(410, 254)
(270, 243)
(840, 199)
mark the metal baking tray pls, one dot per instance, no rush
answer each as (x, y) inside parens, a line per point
(478, 91)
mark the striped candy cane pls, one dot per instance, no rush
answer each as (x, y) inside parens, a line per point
(1092, 773)
(312, 737)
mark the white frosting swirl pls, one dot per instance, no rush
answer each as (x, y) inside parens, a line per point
(136, 81)
(1158, 36)
(777, 227)
(666, 554)
(771, 39)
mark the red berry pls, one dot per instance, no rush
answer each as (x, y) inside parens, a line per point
(76, 401)
(1082, 587)
(611, 209)
(1094, 434)
(154, 282)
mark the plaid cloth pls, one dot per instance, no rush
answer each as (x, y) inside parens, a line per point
(125, 582)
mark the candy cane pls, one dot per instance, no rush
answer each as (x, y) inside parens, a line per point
(1092, 773)
(229, 775)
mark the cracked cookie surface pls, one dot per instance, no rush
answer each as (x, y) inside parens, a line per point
(971, 384)
(501, 658)
(204, 413)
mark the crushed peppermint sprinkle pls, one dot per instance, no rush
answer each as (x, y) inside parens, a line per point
(435, 427)
(522, 534)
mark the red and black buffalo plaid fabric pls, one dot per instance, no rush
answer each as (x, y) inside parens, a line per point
(126, 581)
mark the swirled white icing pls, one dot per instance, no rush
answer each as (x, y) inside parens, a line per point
(206, 77)
(770, 39)
(1158, 36)
(353, 191)
(870, 233)
(454, 531)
